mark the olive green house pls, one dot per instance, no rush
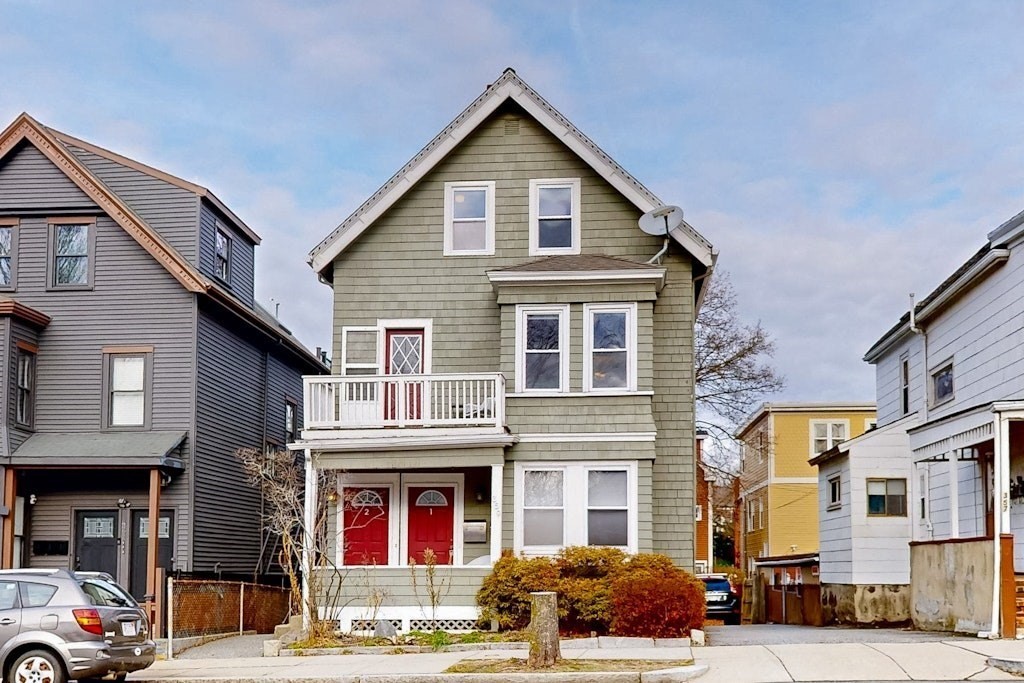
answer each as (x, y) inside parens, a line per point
(513, 364)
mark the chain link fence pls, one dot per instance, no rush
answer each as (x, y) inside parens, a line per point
(201, 608)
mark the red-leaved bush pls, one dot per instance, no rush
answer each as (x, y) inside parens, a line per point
(657, 606)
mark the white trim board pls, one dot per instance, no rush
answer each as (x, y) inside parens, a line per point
(573, 437)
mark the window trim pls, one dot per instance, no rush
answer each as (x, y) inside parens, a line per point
(835, 492)
(934, 374)
(51, 250)
(885, 480)
(345, 365)
(829, 443)
(564, 349)
(575, 503)
(449, 217)
(294, 426)
(535, 185)
(905, 384)
(109, 353)
(14, 224)
(630, 309)
(220, 229)
(31, 352)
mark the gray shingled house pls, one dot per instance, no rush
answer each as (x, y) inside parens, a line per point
(513, 362)
(135, 363)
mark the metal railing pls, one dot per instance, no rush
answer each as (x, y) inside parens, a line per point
(383, 401)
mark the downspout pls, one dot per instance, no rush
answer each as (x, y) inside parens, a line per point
(924, 356)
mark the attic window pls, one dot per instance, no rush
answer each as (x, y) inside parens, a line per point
(469, 218)
(554, 216)
(72, 245)
(222, 256)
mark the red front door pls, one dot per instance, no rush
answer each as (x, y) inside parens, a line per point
(404, 357)
(431, 522)
(366, 526)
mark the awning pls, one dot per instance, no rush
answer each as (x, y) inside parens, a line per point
(947, 434)
(101, 449)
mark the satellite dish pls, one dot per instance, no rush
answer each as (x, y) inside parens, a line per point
(661, 221)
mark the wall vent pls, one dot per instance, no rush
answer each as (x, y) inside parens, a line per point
(512, 126)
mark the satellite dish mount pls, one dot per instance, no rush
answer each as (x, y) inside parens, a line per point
(660, 222)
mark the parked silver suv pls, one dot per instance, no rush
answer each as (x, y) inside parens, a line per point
(57, 625)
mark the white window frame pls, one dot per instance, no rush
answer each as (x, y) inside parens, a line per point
(760, 514)
(905, 384)
(449, 217)
(835, 492)
(345, 365)
(933, 378)
(562, 311)
(698, 513)
(535, 186)
(829, 442)
(575, 503)
(870, 423)
(588, 340)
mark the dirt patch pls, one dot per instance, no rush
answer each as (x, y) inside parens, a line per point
(505, 666)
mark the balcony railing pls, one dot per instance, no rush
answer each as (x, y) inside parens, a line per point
(383, 401)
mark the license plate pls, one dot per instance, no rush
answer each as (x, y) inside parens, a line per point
(715, 598)
(128, 628)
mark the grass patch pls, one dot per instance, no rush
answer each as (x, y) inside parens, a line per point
(508, 666)
(435, 640)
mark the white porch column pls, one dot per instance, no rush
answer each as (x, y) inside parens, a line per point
(308, 522)
(497, 494)
(953, 470)
(1000, 509)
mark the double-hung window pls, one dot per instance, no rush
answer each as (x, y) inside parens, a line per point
(222, 256)
(24, 410)
(942, 384)
(71, 247)
(469, 218)
(578, 503)
(835, 492)
(128, 380)
(827, 433)
(554, 217)
(8, 254)
(290, 421)
(904, 385)
(610, 361)
(887, 497)
(542, 348)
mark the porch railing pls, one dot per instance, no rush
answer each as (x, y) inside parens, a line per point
(382, 401)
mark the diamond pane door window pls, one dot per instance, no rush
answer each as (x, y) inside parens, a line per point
(404, 400)
(543, 355)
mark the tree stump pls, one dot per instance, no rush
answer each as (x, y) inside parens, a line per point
(544, 648)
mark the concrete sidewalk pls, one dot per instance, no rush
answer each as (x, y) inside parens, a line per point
(953, 660)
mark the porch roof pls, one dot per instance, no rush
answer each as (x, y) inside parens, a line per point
(958, 430)
(101, 450)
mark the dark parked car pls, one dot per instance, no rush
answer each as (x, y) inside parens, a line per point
(57, 625)
(722, 601)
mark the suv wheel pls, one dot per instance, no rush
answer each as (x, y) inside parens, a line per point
(37, 666)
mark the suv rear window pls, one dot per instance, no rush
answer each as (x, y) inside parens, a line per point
(106, 594)
(717, 585)
(36, 594)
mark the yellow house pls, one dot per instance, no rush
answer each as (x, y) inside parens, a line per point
(778, 488)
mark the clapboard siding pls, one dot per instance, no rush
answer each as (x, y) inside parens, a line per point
(229, 416)
(167, 208)
(284, 382)
(396, 270)
(888, 380)
(59, 495)
(242, 262)
(836, 542)
(119, 310)
(29, 181)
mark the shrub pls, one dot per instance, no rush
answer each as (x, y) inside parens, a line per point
(652, 606)
(505, 593)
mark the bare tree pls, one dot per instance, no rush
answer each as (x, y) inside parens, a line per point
(732, 369)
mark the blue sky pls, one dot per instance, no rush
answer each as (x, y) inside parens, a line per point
(839, 155)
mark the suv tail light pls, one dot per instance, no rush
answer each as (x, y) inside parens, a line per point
(89, 621)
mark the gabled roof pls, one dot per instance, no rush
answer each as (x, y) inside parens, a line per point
(25, 128)
(198, 190)
(508, 87)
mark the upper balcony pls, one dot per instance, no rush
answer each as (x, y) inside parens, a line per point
(393, 402)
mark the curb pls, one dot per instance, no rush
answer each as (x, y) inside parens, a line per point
(1010, 666)
(675, 675)
(599, 643)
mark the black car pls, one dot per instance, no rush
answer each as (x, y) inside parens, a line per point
(722, 601)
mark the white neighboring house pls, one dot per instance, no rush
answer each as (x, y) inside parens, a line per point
(864, 549)
(957, 362)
